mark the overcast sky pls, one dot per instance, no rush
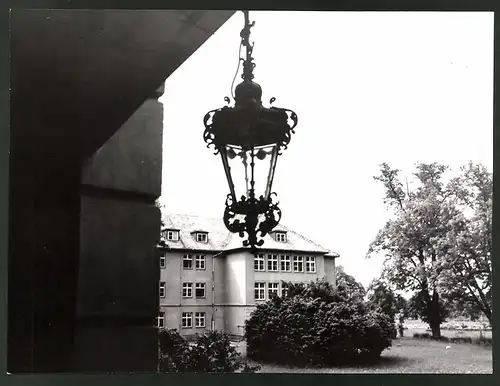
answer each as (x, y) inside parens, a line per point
(368, 87)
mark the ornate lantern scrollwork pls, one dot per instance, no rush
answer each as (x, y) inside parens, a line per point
(249, 138)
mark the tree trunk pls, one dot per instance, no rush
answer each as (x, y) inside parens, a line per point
(487, 313)
(435, 328)
(482, 301)
(435, 315)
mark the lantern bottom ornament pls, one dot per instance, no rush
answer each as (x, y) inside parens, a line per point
(253, 216)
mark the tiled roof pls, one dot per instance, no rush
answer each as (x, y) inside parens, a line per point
(220, 239)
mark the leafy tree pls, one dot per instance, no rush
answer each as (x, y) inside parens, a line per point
(414, 240)
(438, 243)
(414, 307)
(466, 267)
(161, 243)
(348, 286)
(381, 296)
(402, 306)
(462, 309)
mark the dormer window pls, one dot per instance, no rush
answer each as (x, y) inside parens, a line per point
(280, 237)
(201, 237)
(172, 235)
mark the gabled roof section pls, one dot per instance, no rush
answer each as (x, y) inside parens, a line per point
(294, 242)
(220, 239)
(190, 224)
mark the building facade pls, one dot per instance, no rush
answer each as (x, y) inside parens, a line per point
(209, 281)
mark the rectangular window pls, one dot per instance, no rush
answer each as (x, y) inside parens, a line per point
(285, 263)
(298, 264)
(272, 262)
(199, 319)
(161, 320)
(199, 262)
(201, 237)
(172, 235)
(200, 290)
(272, 289)
(284, 290)
(187, 262)
(187, 290)
(187, 319)
(260, 291)
(259, 262)
(311, 264)
(163, 261)
(281, 237)
(163, 289)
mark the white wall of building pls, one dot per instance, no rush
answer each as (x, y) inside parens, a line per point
(229, 288)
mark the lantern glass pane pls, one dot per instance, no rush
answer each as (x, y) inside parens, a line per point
(266, 157)
(238, 171)
(240, 167)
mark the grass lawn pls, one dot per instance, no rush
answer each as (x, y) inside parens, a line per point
(415, 356)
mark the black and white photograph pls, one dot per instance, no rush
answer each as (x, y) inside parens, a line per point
(243, 191)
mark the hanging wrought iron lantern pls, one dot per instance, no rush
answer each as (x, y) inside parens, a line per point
(249, 138)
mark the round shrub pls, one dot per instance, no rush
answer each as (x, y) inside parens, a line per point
(301, 330)
(174, 352)
(213, 352)
(210, 352)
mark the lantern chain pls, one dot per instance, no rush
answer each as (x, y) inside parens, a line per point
(248, 64)
(240, 59)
